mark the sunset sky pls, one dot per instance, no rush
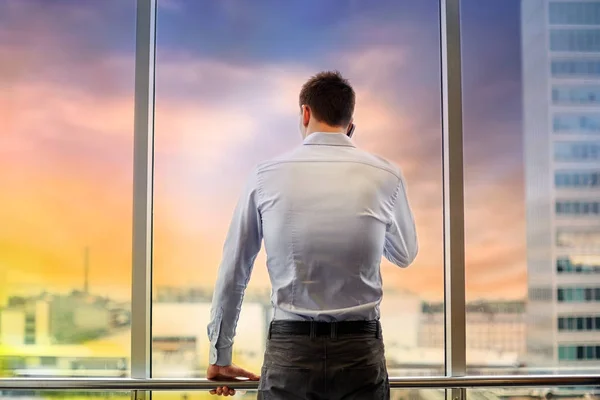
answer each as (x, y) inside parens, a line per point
(228, 75)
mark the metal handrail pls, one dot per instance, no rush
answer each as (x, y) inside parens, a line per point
(121, 384)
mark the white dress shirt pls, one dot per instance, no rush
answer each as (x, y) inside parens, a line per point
(327, 212)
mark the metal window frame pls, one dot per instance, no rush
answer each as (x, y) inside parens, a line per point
(143, 180)
(453, 192)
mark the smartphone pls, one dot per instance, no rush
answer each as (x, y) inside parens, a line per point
(351, 130)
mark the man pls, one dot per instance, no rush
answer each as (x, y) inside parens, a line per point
(327, 212)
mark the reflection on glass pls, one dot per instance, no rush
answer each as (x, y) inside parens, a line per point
(532, 164)
(66, 118)
(228, 80)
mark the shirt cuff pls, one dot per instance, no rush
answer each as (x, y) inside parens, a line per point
(221, 356)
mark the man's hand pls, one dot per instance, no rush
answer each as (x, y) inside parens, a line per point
(228, 373)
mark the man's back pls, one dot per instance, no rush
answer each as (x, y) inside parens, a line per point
(326, 212)
(329, 211)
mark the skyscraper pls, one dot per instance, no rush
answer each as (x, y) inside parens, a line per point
(561, 125)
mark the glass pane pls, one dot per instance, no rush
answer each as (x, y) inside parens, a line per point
(531, 173)
(66, 145)
(228, 80)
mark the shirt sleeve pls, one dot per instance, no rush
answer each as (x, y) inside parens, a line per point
(401, 246)
(241, 247)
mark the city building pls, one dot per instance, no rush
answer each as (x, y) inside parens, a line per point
(498, 327)
(58, 319)
(180, 346)
(561, 126)
(25, 323)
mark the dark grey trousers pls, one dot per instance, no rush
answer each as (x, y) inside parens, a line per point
(346, 368)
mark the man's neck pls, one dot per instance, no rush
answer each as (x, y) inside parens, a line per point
(325, 129)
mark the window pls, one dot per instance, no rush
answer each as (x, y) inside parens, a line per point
(574, 13)
(577, 207)
(577, 179)
(66, 117)
(575, 40)
(578, 265)
(578, 352)
(577, 123)
(576, 151)
(227, 81)
(575, 68)
(578, 238)
(227, 88)
(578, 294)
(576, 95)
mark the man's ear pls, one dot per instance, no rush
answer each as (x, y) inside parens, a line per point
(306, 115)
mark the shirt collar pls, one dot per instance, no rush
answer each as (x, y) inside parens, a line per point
(328, 139)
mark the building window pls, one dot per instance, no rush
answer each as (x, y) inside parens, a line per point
(29, 328)
(575, 68)
(577, 295)
(577, 207)
(577, 179)
(575, 40)
(577, 95)
(578, 239)
(579, 123)
(574, 13)
(579, 352)
(577, 151)
(568, 265)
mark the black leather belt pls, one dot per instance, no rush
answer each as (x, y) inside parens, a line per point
(319, 329)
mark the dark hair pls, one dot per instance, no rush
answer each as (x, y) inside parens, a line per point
(330, 98)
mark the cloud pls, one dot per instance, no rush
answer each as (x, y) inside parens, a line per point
(381, 121)
(68, 139)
